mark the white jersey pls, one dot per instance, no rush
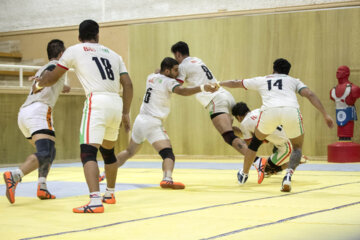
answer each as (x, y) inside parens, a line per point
(194, 71)
(97, 67)
(248, 125)
(156, 101)
(48, 95)
(277, 90)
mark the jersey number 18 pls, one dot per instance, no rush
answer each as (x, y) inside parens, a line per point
(106, 63)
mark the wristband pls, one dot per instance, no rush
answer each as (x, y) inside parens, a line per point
(202, 87)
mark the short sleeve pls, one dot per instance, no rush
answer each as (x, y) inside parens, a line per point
(67, 59)
(251, 83)
(122, 68)
(246, 133)
(299, 85)
(182, 74)
(172, 84)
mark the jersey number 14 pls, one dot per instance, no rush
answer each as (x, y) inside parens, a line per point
(277, 83)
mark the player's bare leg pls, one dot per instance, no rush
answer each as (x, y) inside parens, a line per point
(295, 159)
(223, 124)
(123, 156)
(91, 172)
(163, 147)
(111, 168)
(250, 156)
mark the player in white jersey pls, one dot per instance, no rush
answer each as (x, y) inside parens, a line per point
(35, 122)
(194, 71)
(100, 71)
(282, 145)
(280, 107)
(155, 108)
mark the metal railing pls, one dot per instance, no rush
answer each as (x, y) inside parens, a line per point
(21, 71)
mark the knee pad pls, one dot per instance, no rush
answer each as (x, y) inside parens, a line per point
(88, 153)
(255, 144)
(229, 137)
(167, 153)
(45, 151)
(108, 155)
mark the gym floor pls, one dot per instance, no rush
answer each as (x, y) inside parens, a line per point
(324, 204)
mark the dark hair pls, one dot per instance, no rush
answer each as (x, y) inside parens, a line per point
(180, 47)
(168, 63)
(88, 30)
(240, 109)
(282, 65)
(55, 47)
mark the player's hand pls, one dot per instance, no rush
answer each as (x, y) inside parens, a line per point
(329, 121)
(126, 122)
(211, 87)
(66, 89)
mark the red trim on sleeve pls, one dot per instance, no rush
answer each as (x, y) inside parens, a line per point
(62, 66)
(242, 83)
(180, 81)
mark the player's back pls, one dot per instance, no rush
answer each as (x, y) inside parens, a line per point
(276, 90)
(97, 67)
(157, 97)
(48, 95)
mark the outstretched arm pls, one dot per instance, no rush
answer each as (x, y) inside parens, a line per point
(127, 98)
(232, 84)
(51, 77)
(187, 91)
(315, 101)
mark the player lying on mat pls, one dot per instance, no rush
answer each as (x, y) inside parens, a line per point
(36, 123)
(155, 108)
(279, 160)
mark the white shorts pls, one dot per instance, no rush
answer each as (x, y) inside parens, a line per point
(283, 153)
(148, 128)
(290, 118)
(222, 102)
(101, 118)
(34, 117)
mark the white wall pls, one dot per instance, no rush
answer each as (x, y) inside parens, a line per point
(34, 14)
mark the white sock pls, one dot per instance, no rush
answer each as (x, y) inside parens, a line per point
(167, 175)
(109, 191)
(289, 171)
(95, 198)
(17, 175)
(42, 182)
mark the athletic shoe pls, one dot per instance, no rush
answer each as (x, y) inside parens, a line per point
(171, 184)
(304, 159)
(102, 177)
(260, 167)
(242, 177)
(10, 186)
(89, 209)
(44, 194)
(286, 183)
(109, 200)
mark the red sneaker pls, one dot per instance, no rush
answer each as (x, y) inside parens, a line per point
(89, 209)
(171, 184)
(109, 200)
(102, 177)
(260, 167)
(44, 194)
(10, 186)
